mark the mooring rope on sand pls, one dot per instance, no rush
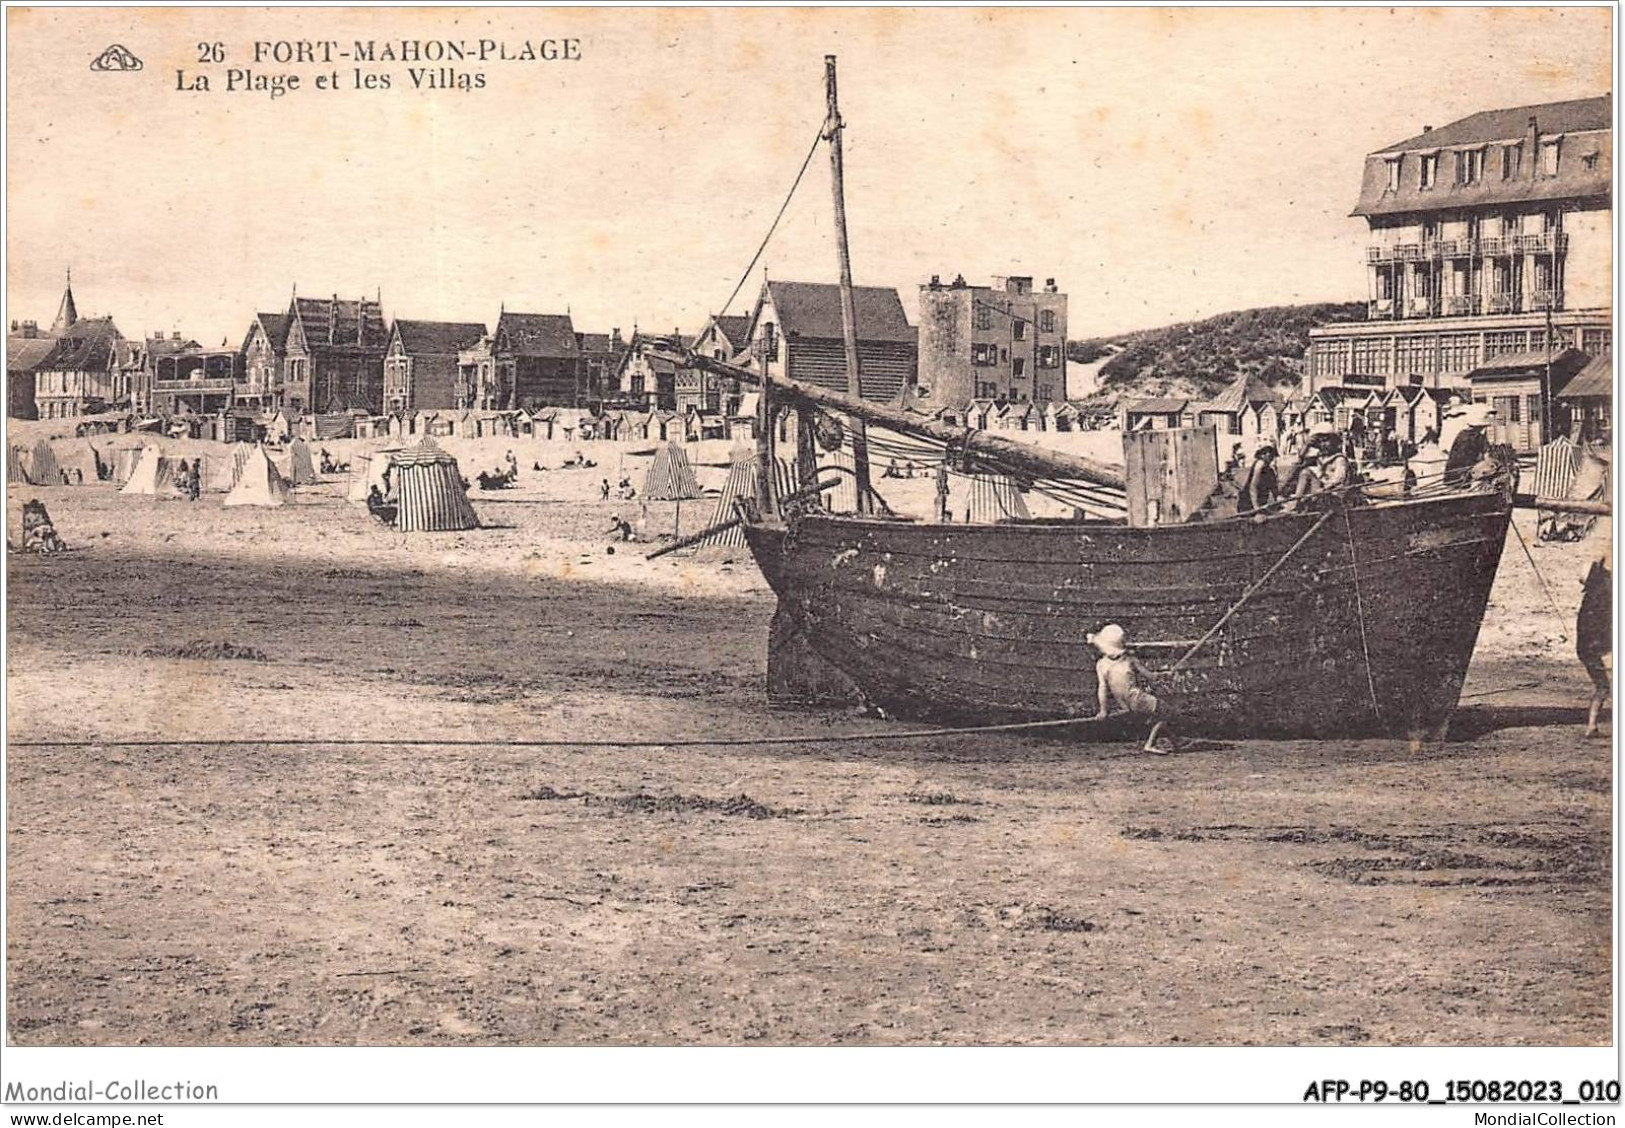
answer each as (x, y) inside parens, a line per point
(591, 742)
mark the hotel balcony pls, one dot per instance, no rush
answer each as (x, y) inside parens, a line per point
(1380, 308)
(1546, 243)
(1541, 300)
(1460, 305)
(1501, 303)
(196, 384)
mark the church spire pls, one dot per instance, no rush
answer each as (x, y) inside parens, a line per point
(67, 313)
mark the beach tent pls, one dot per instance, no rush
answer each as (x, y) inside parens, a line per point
(76, 460)
(429, 490)
(366, 471)
(43, 469)
(260, 483)
(222, 469)
(301, 471)
(670, 477)
(14, 465)
(124, 460)
(152, 474)
(994, 498)
(741, 483)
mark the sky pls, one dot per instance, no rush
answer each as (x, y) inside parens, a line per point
(1160, 164)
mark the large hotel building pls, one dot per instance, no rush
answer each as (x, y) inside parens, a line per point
(1486, 234)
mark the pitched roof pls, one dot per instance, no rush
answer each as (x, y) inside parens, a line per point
(813, 309)
(1596, 379)
(537, 334)
(421, 338)
(87, 346)
(595, 342)
(23, 354)
(735, 327)
(1159, 406)
(1520, 362)
(276, 327)
(1575, 116)
(330, 323)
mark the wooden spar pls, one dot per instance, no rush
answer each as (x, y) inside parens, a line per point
(849, 316)
(1032, 461)
(1574, 505)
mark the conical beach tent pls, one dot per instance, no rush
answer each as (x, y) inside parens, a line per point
(302, 472)
(76, 459)
(259, 483)
(221, 470)
(153, 474)
(429, 490)
(125, 459)
(741, 483)
(366, 471)
(43, 469)
(670, 477)
(994, 498)
(14, 465)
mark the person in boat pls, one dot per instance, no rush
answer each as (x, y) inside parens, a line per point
(1260, 486)
(1594, 629)
(1305, 476)
(1122, 681)
(1471, 444)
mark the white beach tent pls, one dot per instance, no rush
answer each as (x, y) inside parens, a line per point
(153, 474)
(366, 471)
(259, 483)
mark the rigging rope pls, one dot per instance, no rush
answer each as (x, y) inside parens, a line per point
(1359, 610)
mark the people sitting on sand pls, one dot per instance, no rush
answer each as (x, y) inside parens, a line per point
(39, 534)
(891, 470)
(380, 508)
(1122, 682)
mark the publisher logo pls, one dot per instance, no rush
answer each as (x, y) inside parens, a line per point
(116, 58)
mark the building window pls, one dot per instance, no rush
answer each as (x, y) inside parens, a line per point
(1499, 344)
(1429, 173)
(1046, 392)
(984, 316)
(984, 355)
(1415, 354)
(1511, 161)
(1018, 367)
(1548, 158)
(987, 391)
(1469, 166)
(1046, 320)
(1590, 161)
(1373, 355)
(1049, 356)
(1394, 165)
(1019, 329)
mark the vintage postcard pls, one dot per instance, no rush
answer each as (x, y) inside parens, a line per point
(805, 527)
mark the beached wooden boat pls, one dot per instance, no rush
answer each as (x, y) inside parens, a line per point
(1345, 616)
(1366, 626)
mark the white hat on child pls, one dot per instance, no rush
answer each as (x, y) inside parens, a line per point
(1110, 640)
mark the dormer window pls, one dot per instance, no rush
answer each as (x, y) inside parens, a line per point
(1394, 165)
(1590, 161)
(1548, 157)
(1511, 161)
(1429, 174)
(1469, 166)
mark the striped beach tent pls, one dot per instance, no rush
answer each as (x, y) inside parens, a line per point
(260, 483)
(1555, 467)
(43, 468)
(222, 470)
(670, 477)
(741, 482)
(429, 490)
(14, 465)
(124, 460)
(995, 498)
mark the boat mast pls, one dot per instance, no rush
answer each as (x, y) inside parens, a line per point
(849, 317)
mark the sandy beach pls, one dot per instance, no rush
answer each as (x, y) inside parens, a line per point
(957, 890)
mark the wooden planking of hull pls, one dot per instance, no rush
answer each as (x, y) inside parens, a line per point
(1366, 628)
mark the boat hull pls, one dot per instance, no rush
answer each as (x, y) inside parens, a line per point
(1365, 628)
